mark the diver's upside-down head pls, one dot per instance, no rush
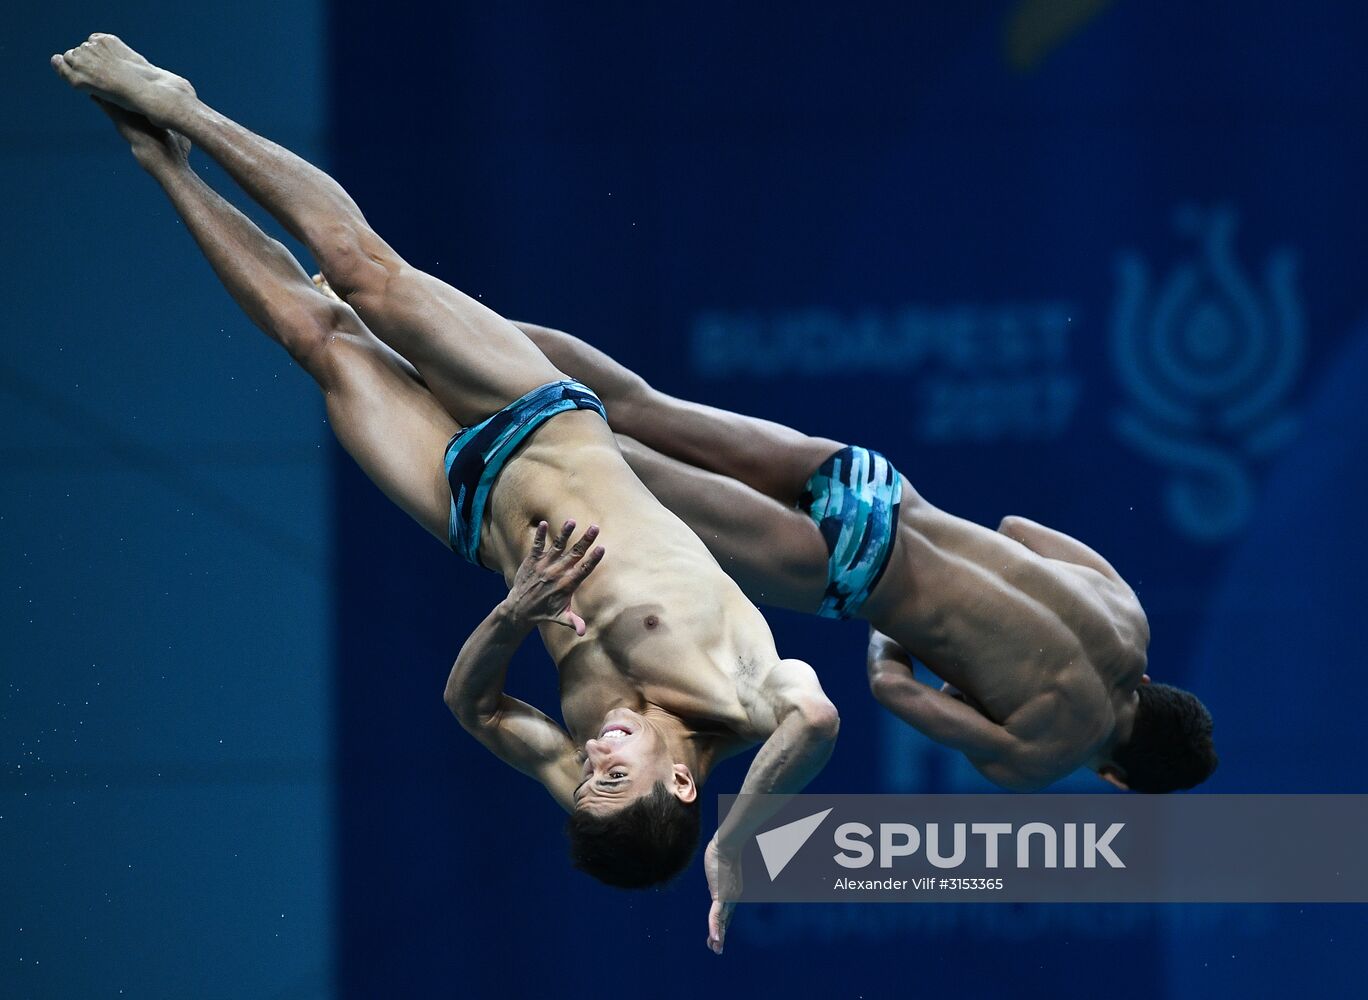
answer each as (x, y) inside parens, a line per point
(1170, 745)
(636, 817)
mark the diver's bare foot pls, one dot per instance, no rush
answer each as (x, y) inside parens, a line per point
(153, 146)
(105, 67)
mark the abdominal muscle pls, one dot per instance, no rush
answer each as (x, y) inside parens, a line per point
(666, 625)
(570, 468)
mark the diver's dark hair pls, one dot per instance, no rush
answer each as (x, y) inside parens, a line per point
(644, 844)
(1170, 747)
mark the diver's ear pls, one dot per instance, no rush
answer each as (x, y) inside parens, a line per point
(1144, 678)
(1113, 777)
(683, 784)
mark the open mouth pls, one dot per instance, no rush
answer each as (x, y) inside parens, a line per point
(615, 732)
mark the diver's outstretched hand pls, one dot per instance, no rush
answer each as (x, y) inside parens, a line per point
(724, 882)
(550, 575)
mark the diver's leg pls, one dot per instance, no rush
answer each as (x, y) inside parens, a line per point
(385, 419)
(472, 360)
(774, 552)
(768, 457)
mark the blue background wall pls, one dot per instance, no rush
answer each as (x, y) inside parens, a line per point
(1095, 263)
(165, 626)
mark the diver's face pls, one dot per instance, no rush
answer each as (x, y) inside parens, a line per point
(622, 763)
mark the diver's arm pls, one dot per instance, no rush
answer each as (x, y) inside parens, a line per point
(793, 754)
(939, 715)
(796, 750)
(516, 732)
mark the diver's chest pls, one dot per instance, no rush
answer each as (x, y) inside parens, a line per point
(647, 663)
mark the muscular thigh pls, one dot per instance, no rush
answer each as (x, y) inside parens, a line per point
(391, 425)
(773, 551)
(474, 361)
(769, 457)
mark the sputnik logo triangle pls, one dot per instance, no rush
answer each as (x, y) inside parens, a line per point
(778, 846)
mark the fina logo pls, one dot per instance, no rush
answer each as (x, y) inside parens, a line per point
(1208, 360)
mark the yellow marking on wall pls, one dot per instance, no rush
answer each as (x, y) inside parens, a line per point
(1037, 27)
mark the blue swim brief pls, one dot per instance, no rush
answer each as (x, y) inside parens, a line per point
(853, 498)
(476, 456)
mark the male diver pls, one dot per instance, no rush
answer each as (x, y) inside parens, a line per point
(665, 667)
(1040, 642)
